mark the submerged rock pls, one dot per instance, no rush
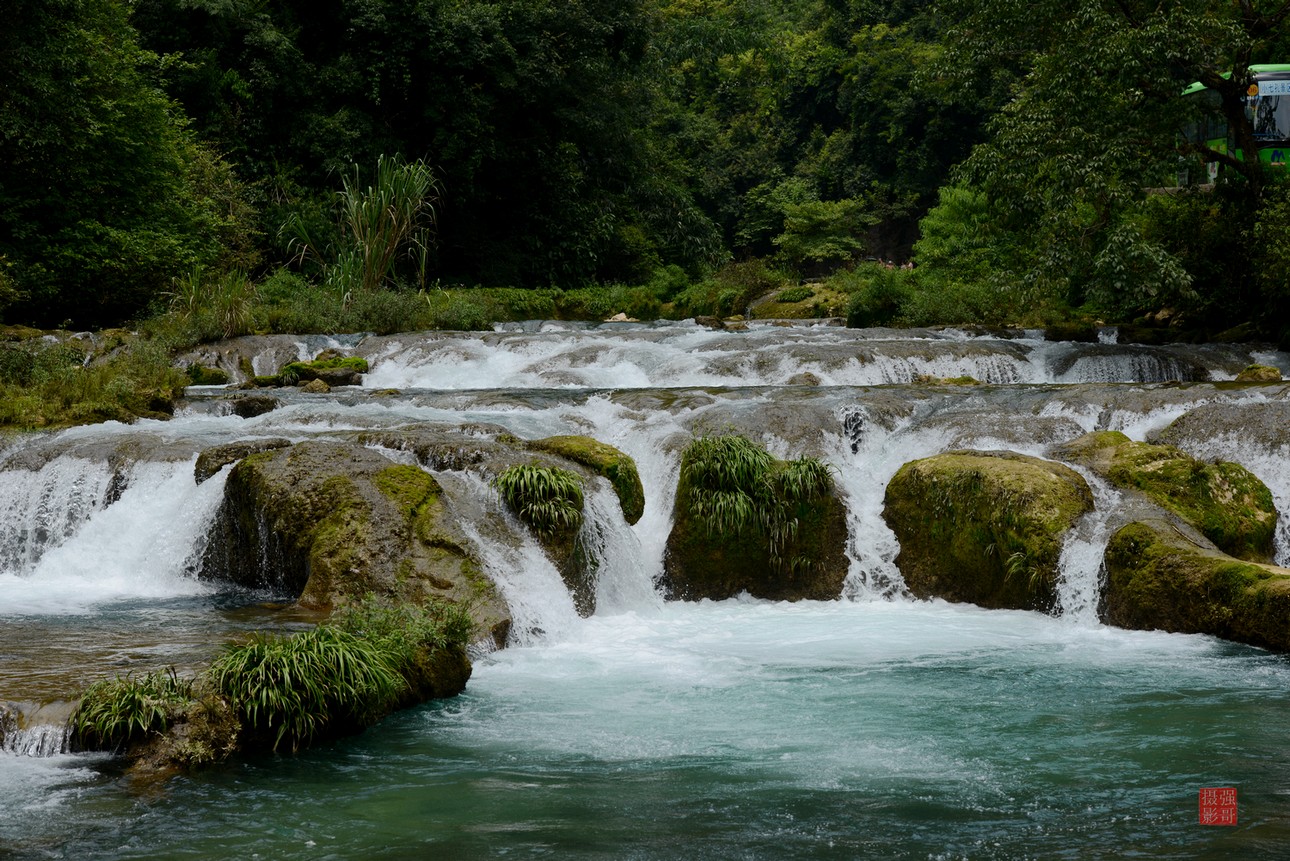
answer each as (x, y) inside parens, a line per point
(790, 546)
(1157, 579)
(1227, 503)
(984, 527)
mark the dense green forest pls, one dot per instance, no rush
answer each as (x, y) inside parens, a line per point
(275, 164)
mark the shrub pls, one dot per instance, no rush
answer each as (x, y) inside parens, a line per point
(795, 294)
(878, 296)
(737, 488)
(48, 385)
(289, 689)
(547, 498)
(392, 218)
(115, 712)
(405, 633)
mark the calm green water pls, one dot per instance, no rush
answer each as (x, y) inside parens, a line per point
(746, 730)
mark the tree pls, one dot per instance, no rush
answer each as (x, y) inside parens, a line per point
(1094, 122)
(529, 111)
(104, 196)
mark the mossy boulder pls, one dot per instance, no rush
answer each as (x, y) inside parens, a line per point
(213, 459)
(774, 529)
(250, 406)
(602, 459)
(1259, 374)
(1225, 501)
(332, 370)
(332, 522)
(1157, 579)
(984, 527)
(201, 375)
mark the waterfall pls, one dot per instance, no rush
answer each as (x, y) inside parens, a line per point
(692, 356)
(1079, 577)
(40, 509)
(623, 581)
(540, 604)
(144, 543)
(38, 731)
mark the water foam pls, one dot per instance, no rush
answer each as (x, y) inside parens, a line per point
(144, 544)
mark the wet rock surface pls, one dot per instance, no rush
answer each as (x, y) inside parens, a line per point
(334, 521)
(1159, 579)
(984, 527)
(1224, 501)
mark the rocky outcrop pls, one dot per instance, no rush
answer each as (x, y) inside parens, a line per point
(788, 544)
(332, 522)
(491, 450)
(1266, 424)
(1224, 501)
(984, 527)
(1158, 579)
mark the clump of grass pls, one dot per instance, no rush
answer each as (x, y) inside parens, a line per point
(288, 689)
(392, 219)
(736, 488)
(213, 305)
(727, 480)
(405, 633)
(118, 711)
(547, 498)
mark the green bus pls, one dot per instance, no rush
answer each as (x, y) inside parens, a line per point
(1267, 105)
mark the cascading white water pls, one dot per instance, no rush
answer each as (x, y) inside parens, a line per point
(682, 355)
(731, 728)
(1079, 569)
(623, 581)
(43, 731)
(541, 607)
(40, 509)
(145, 544)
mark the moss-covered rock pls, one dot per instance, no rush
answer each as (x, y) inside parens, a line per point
(1259, 374)
(332, 370)
(984, 527)
(788, 545)
(250, 406)
(332, 522)
(213, 459)
(201, 375)
(603, 459)
(1159, 580)
(1225, 501)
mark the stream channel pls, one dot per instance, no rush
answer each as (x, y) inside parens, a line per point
(876, 726)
